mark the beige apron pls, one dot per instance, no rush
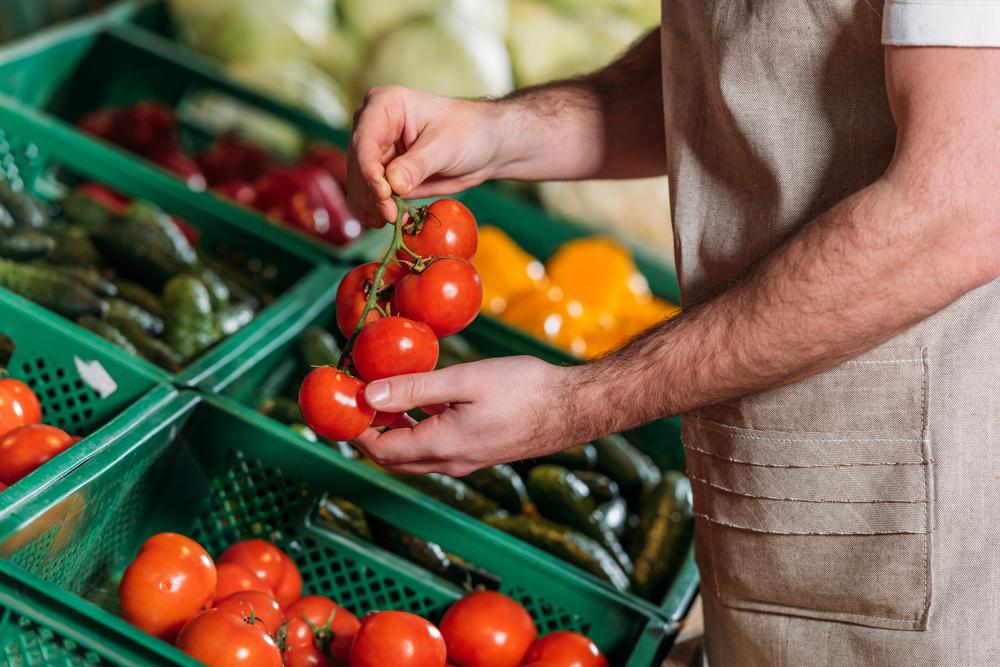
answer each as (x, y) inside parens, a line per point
(852, 518)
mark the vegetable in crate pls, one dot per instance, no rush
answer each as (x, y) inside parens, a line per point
(50, 289)
(308, 198)
(397, 639)
(665, 526)
(191, 325)
(487, 629)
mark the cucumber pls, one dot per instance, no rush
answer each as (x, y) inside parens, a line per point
(121, 310)
(344, 516)
(613, 515)
(73, 246)
(50, 289)
(305, 432)
(427, 555)
(665, 528)
(234, 317)
(160, 228)
(561, 496)
(581, 457)
(82, 209)
(90, 278)
(149, 347)
(452, 492)
(106, 331)
(191, 327)
(502, 484)
(26, 211)
(22, 245)
(6, 219)
(602, 487)
(140, 296)
(317, 347)
(135, 255)
(216, 285)
(620, 460)
(564, 543)
(282, 409)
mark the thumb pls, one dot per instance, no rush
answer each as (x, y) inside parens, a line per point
(426, 157)
(405, 392)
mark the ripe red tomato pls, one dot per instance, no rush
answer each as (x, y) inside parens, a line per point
(333, 404)
(169, 582)
(221, 639)
(566, 649)
(11, 412)
(352, 293)
(268, 562)
(308, 655)
(487, 629)
(25, 448)
(254, 607)
(233, 578)
(335, 626)
(448, 229)
(394, 346)
(446, 296)
(30, 406)
(397, 639)
(290, 588)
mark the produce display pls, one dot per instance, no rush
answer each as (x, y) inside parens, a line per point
(307, 195)
(127, 271)
(588, 299)
(247, 607)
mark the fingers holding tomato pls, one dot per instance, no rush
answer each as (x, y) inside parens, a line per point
(333, 404)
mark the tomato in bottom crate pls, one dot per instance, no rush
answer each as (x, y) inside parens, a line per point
(397, 639)
(565, 649)
(314, 620)
(221, 639)
(487, 629)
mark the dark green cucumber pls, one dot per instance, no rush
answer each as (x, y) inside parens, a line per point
(664, 534)
(581, 457)
(234, 317)
(161, 228)
(345, 516)
(82, 209)
(140, 296)
(90, 278)
(216, 285)
(613, 515)
(27, 212)
(502, 484)
(427, 555)
(565, 543)
(137, 256)
(50, 289)
(620, 460)
(191, 327)
(73, 246)
(561, 496)
(106, 331)
(305, 432)
(317, 347)
(148, 346)
(282, 409)
(119, 310)
(22, 245)
(602, 487)
(6, 219)
(452, 492)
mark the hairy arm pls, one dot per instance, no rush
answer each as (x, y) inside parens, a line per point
(607, 124)
(924, 234)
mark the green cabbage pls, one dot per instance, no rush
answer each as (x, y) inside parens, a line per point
(371, 18)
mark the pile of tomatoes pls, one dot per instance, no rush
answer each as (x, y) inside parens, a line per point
(427, 289)
(25, 442)
(246, 609)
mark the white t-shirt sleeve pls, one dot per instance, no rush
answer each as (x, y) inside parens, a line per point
(941, 23)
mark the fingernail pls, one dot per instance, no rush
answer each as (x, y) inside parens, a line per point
(401, 179)
(377, 394)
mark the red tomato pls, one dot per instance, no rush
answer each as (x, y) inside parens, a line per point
(446, 296)
(100, 123)
(11, 413)
(148, 128)
(290, 588)
(447, 229)
(397, 639)
(3, 487)
(308, 655)
(333, 404)
(352, 293)
(240, 192)
(265, 560)
(221, 639)
(30, 406)
(169, 582)
(487, 629)
(335, 626)
(394, 346)
(565, 649)
(25, 448)
(232, 159)
(254, 607)
(233, 578)
(331, 159)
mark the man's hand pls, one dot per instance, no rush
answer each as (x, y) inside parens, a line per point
(498, 410)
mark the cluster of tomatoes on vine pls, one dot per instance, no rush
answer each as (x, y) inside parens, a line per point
(393, 312)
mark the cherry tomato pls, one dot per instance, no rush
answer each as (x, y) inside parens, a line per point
(565, 649)
(394, 346)
(233, 578)
(352, 293)
(487, 629)
(11, 412)
(30, 406)
(447, 229)
(446, 296)
(333, 404)
(254, 607)
(268, 562)
(290, 588)
(397, 639)
(169, 582)
(308, 655)
(335, 626)
(25, 448)
(221, 639)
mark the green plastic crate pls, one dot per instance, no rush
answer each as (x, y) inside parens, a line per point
(41, 153)
(54, 361)
(219, 472)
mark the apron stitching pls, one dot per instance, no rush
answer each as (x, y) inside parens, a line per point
(737, 432)
(804, 466)
(925, 399)
(757, 605)
(706, 517)
(706, 482)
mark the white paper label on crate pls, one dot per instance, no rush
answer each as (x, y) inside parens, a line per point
(95, 376)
